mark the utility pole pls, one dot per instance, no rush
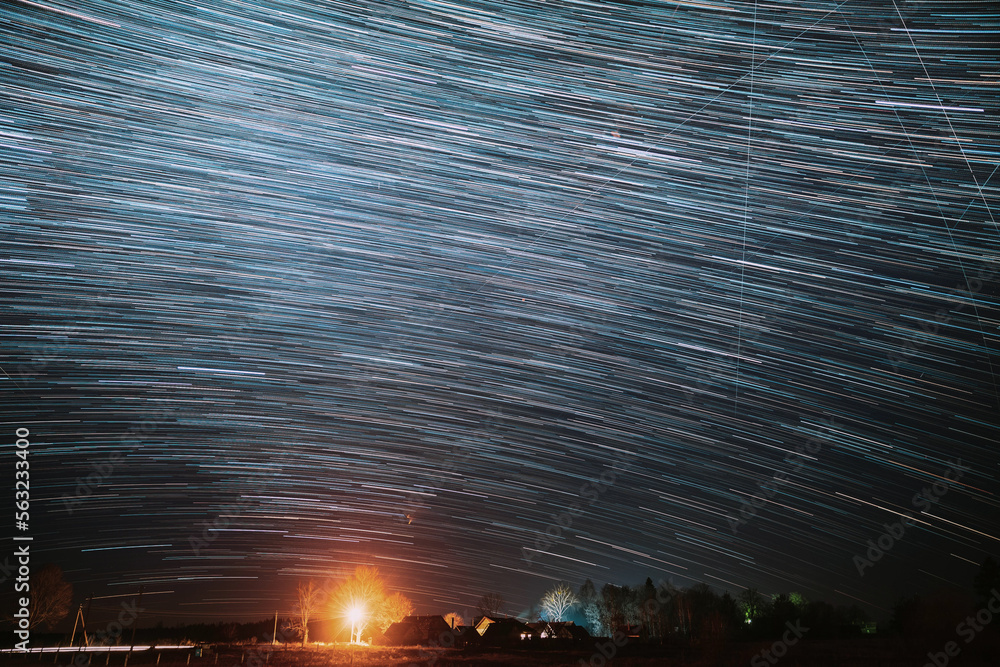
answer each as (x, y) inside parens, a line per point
(79, 613)
(135, 621)
(86, 615)
(274, 637)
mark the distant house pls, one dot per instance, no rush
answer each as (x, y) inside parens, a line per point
(507, 631)
(464, 635)
(560, 630)
(414, 630)
(632, 631)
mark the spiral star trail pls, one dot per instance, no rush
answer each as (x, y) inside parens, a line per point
(294, 286)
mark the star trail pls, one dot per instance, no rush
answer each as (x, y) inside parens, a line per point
(293, 286)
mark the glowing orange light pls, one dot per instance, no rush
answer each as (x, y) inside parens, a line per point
(355, 614)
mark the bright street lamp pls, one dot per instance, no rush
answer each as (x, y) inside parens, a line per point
(355, 614)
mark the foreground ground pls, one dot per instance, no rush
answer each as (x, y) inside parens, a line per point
(859, 653)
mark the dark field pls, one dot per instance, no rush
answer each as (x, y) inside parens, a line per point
(880, 652)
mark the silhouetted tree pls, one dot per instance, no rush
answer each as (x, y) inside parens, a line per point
(51, 596)
(730, 611)
(705, 624)
(822, 620)
(490, 604)
(929, 619)
(987, 580)
(855, 617)
(650, 613)
(783, 610)
(618, 607)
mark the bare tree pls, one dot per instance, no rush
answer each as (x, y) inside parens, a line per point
(558, 601)
(453, 620)
(360, 598)
(310, 597)
(51, 596)
(490, 604)
(394, 608)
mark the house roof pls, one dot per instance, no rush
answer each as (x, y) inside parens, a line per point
(481, 623)
(401, 633)
(433, 622)
(416, 629)
(506, 628)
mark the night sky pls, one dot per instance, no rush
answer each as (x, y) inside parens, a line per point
(396, 283)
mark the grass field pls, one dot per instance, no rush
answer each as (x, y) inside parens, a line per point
(877, 652)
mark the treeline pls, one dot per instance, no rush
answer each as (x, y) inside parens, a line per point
(949, 614)
(660, 613)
